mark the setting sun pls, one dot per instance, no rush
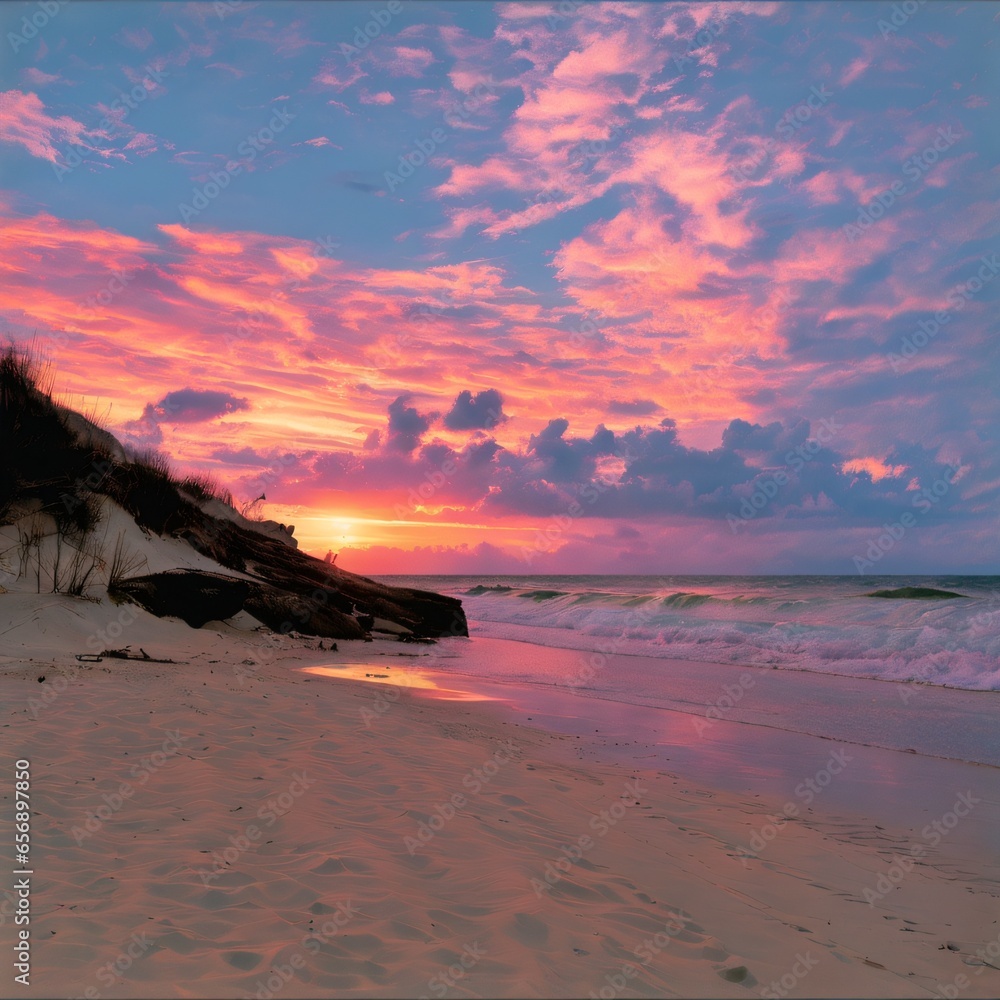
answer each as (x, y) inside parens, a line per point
(343, 532)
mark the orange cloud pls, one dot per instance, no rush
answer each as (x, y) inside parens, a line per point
(875, 468)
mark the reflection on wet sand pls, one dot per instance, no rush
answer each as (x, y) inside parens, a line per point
(412, 679)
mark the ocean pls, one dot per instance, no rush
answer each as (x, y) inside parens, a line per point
(824, 624)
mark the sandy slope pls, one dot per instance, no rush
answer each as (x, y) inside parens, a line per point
(279, 807)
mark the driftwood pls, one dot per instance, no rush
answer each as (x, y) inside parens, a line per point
(127, 654)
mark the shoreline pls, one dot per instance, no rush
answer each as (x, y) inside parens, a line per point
(714, 693)
(665, 859)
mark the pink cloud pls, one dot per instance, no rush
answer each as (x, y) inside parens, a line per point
(607, 55)
(143, 143)
(25, 122)
(135, 38)
(875, 467)
(340, 77)
(382, 97)
(36, 78)
(578, 96)
(238, 73)
(872, 53)
(407, 61)
(691, 168)
(286, 40)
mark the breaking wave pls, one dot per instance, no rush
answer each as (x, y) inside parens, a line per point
(827, 624)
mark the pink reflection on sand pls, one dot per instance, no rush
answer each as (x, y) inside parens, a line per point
(412, 678)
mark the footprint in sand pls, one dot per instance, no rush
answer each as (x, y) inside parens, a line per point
(738, 974)
(529, 930)
(332, 866)
(243, 960)
(731, 969)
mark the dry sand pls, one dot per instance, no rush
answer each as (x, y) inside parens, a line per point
(260, 848)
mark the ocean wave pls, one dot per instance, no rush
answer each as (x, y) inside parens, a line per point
(831, 628)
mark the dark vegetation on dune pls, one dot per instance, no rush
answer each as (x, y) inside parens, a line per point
(919, 593)
(47, 467)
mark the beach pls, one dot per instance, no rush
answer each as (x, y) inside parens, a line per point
(240, 823)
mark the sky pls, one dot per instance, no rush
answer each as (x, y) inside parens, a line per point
(528, 287)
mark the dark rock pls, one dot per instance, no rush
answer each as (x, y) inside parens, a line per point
(316, 581)
(286, 612)
(193, 596)
(921, 593)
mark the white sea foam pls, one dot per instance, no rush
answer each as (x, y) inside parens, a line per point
(824, 624)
